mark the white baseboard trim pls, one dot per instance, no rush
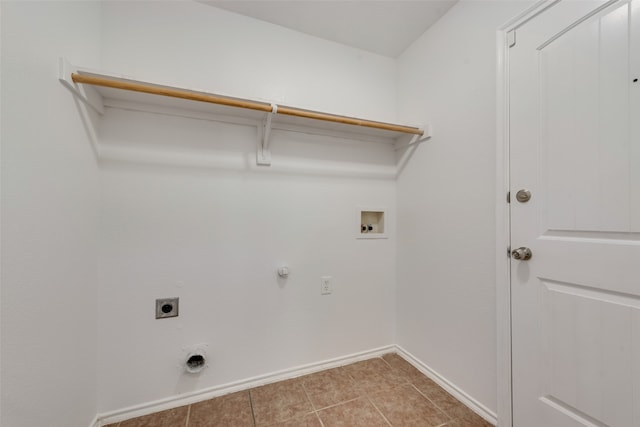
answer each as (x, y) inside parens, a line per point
(454, 390)
(211, 392)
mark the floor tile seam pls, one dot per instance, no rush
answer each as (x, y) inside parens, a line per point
(352, 383)
(387, 363)
(354, 388)
(340, 403)
(385, 390)
(284, 420)
(319, 419)
(350, 375)
(393, 370)
(449, 418)
(186, 420)
(361, 393)
(306, 393)
(407, 382)
(352, 378)
(384, 378)
(253, 416)
(292, 418)
(433, 403)
(379, 411)
(396, 369)
(341, 373)
(365, 360)
(306, 414)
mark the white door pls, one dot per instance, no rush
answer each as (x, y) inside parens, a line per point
(575, 145)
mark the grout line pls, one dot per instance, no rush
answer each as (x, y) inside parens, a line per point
(317, 409)
(360, 394)
(208, 393)
(386, 363)
(434, 403)
(253, 416)
(404, 375)
(319, 419)
(379, 411)
(306, 393)
(340, 403)
(460, 396)
(186, 424)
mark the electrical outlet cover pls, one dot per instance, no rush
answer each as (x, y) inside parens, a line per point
(325, 285)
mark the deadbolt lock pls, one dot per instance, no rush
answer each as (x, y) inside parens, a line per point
(522, 254)
(523, 196)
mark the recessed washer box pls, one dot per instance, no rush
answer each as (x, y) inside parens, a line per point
(371, 223)
(167, 307)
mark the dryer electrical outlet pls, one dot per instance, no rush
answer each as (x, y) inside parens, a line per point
(167, 307)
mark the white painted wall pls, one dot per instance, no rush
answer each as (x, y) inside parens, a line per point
(214, 236)
(49, 219)
(194, 45)
(446, 216)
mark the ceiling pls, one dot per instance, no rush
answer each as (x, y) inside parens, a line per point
(385, 27)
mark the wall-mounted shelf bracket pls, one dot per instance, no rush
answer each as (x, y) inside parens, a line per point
(410, 140)
(263, 155)
(97, 89)
(87, 94)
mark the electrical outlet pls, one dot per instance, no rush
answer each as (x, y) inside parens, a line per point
(325, 285)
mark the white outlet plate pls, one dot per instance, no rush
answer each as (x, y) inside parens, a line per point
(326, 285)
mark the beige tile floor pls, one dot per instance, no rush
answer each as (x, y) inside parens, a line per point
(383, 391)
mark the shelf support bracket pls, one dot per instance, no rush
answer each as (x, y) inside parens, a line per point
(415, 139)
(86, 94)
(263, 155)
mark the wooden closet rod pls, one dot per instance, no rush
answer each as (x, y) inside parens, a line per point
(290, 111)
(167, 91)
(240, 103)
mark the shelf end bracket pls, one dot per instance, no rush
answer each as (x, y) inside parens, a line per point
(87, 95)
(263, 155)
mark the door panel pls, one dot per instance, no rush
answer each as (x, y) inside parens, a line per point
(588, 363)
(634, 103)
(585, 119)
(575, 144)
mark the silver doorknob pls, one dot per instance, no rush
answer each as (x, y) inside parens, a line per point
(523, 196)
(522, 254)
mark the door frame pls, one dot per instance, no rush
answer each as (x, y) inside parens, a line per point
(503, 224)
